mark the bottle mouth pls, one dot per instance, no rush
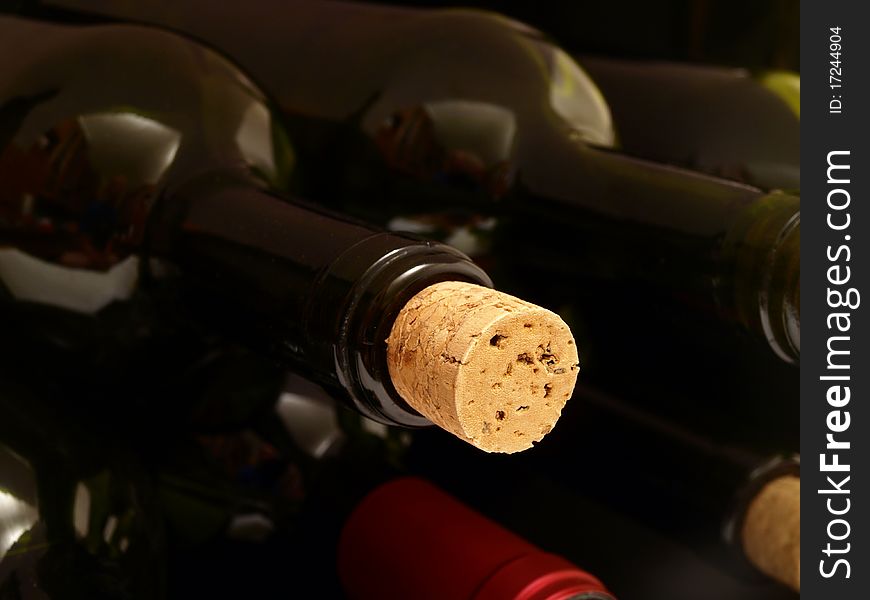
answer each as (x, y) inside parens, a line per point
(762, 250)
(377, 298)
(764, 473)
(779, 300)
(732, 531)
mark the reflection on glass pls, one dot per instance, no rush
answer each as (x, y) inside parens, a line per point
(129, 146)
(73, 208)
(487, 130)
(250, 527)
(18, 504)
(577, 99)
(308, 415)
(36, 280)
(786, 85)
(254, 139)
(81, 510)
(464, 143)
(16, 517)
(469, 233)
(110, 529)
(60, 204)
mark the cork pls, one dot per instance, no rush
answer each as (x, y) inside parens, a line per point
(772, 531)
(490, 368)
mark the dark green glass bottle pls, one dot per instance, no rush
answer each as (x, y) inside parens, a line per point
(696, 485)
(475, 127)
(235, 514)
(726, 122)
(136, 210)
(339, 510)
(79, 516)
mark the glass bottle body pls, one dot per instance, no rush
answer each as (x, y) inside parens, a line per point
(726, 122)
(137, 210)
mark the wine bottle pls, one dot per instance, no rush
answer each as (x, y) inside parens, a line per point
(137, 172)
(496, 153)
(78, 513)
(704, 376)
(726, 122)
(406, 534)
(379, 534)
(731, 502)
(361, 522)
(736, 506)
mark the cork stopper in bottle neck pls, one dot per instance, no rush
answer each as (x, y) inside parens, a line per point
(771, 533)
(492, 369)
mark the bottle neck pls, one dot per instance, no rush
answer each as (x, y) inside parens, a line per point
(763, 251)
(400, 531)
(310, 289)
(660, 461)
(398, 268)
(657, 232)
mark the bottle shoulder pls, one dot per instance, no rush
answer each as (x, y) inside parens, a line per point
(140, 83)
(94, 122)
(471, 59)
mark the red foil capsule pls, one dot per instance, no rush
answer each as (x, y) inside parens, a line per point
(408, 540)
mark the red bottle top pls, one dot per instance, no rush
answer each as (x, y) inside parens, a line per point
(408, 540)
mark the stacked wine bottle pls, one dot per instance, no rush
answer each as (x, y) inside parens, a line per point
(249, 252)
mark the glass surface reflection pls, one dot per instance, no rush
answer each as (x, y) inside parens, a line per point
(458, 142)
(85, 159)
(18, 512)
(575, 98)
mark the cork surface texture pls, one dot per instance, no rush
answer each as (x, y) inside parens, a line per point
(490, 368)
(772, 531)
